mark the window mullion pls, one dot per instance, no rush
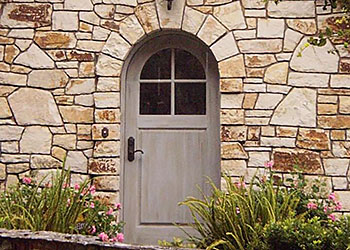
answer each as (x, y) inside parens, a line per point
(172, 82)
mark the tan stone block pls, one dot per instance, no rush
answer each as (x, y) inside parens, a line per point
(277, 73)
(229, 101)
(76, 161)
(104, 166)
(268, 131)
(11, 51)
(260, 46)
(251, 22)
(36, 139)
(277, 142)
(258, 159)
(232, 67)
(107, 115)
(107, 148)
(305, 26)
(5, 111)
(77, 114)
(336, 166)
(250, 100)
(268, 101)
(105, 11)
(44, 161)
(344, 104)
(291, 9)
(327, 109)
(204, 9)
(225, 47)
(54, 39)
(80, 56)
(233, 150)
(338, 135)
(131, 23)
(35, 58)
(257, 121)
(313, 139)
(344, 198)
(66, 141)
(65, 100)
(106, 183)
(231, 15)
(6, 90)
(232, 116)
(170, 19)
(90, 46)
(234, 167)
(233, 133)
(17, 168)
(11, 180)
(47, 79)
(87, 69)
(108, 66)
(112, 134)
(211, 30)
(59, 153)
(147, 15)
(286, 131)
(231, 85)
(109, 198)
(107, 100)
(257, 60)
(254, 133)
(327, 99)
(84, 129)
(2, 171)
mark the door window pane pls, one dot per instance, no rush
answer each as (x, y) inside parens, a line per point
(187, 66)
(190, 99)
(158, 66)
(155, 98)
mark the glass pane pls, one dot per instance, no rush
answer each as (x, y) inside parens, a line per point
(158, 66)
(190, 99)
(187, 66)
(155, 98)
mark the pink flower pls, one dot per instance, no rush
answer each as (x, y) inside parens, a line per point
(93, 230)
(238, 211)
(311, 206)
(76, 186)
(332, 217)
(68, 202)
(120, 237)
(240, 184)
(103, 236)
(110, 211)
(331, 196)
(338, 206)
(26, 180)
(118, 206)
(65, 185)
(92, 189)
(92, 205)
(268, 164)
(325, 209)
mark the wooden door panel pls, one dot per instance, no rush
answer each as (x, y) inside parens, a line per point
(172, 166)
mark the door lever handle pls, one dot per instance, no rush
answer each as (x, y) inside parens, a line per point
(131, 149)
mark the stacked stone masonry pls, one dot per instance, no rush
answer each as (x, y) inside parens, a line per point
(60, 67)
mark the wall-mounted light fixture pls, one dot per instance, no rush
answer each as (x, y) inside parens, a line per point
(170, 4)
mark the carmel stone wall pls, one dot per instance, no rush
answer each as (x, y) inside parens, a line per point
(60, 66)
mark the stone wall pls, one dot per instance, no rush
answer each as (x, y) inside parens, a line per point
(60, 66)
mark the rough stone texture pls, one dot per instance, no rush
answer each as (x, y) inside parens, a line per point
(34, 107)
(47, 79)
(36, 140)
(5, 111)
(233, 151)
(44, 161)
(231, 15)
(277, 73)
(76, 114)
(313, 139)
(291, 9)
(211, 30)
(36, 58)
(76, 162)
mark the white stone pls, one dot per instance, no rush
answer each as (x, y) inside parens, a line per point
(116, 46)
(47, 79)
(147, 15)
(211, 30)
(10, 133)
(225, 47)
(21, 33)
(232, 100)
(65, 20)
(131, 24)
(34, 107)
(270, 28)
(291, 40)
(253, 4)
(36, 140)
(231, 15)
(258, 159)
(260, 46)
(107, 100)
(305, 26)
(89, 17)
(34, 57)
(80, 86)
(108, 66)
(234, 167)
(340, 81)
(268, 101)
(277, 142)
(277, 73)
(76, 162)
(308, 80)
(170, 19)
(193, 20)
(336, 166)
(78, 5)
(297, 109)
(291, 9)
(314, 58)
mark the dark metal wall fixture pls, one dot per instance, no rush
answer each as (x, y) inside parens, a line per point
(170, 4)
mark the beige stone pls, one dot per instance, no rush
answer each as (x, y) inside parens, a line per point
(308, 80)
(286, 131)
(268, 101)
(107, 100)
(80, 86)
(231, 15)
(225, 47)
(65, 20)
(234, 167)
(44, 161)
(340, 81)
(34, 57)
(17, 168)
(108, 66)
(344, 197)
(260, 46)
(104, 166)
(108, 84)
(107, 183)
(77, 114)
(338, 134)
(291, 40)
(233, 133)
(107, 115)
(211, 30)
(116, 46)
(277, 142)
(131, 23)
(249, 100)
(170, 19)
(78, 5)
(34, 107)
(76, 162)
(11, 51)
(5, 111)
(297, 109)
(113, 131)
(291, 9)
(10, 147)
(59, 153)
(313, 139)
(305, 26)
(147, 15)
(10, 133)
(232, 67)
(232, 116)
(335, 121)
(257, 60)
(344, 104)
(193, 20)
(54, 40)
(100, 33)
(327, 109)
(2, 171)
(336, 166)
(231, 85)
(87, 69)
(66, 141)
(270, 28)
(258, 159)
(84, 100)
(277, 73)
(91, 46)
(47, 79)
(254, 4)
(107, 148)
(341, 149)
(89, 17)
(233, 150)
(231, 100)
(36, 140)
(315, 59)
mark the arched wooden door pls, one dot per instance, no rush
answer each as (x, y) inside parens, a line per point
(171, 114)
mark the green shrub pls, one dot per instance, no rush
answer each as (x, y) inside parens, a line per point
(58, 207)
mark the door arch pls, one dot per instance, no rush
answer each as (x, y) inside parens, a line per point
(170, 106)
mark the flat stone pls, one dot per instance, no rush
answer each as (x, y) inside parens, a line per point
(253, 4)
(232, 116)
(336, 166)
(78, 5)
(233, 150)
(77, 114)
(107, 100)
(107, 183)
(84, 100)
(211, 30)
(277, 142)
(66, 141)
(55, 40)
(80, 86)
(340, 81)
(107, 149)
(34, 107)
(44, 176)
(286, 159)
(313, 139)
(17, 168)
(59, 153)
(291, 9)
(268, 101)
(107, 84)
(231, 101)
(116, 46)
(44, 161)
(10, 133)
(89, 17)
(231, 15)
(315, 59)
(344, 104)
(131, 23)
(334, 122)
(36, 140)
(48, 79)
(147, 15)
(231, 85)
(297, 109)
(104, 166)
(234, 167)
(11, 51)
(26, 15)
(65, 20)
(277, 73)
(113, 131)
(233, 133)
(225, 47)
(341, 149)
(258, 159)
(170, 19)
(107, 115)
(260, 46)
(305, 26)
(308, 80)
(105, 11)
(5, 111)
(35, 58)
(257, 60)
(291, 40)
(193, 20)
(108, 66)
(76, 162)
(232, 67)
(270, 28)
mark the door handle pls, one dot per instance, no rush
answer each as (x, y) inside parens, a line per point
(131, 149)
